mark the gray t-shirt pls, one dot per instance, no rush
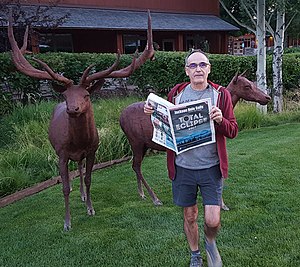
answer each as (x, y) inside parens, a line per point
(204, 156)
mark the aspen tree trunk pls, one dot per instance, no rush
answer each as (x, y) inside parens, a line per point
(261, 51)
(277, 62)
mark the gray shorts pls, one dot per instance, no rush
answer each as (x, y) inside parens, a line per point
(187, 182)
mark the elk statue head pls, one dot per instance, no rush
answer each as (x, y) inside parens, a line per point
(242, 88)
(72, 131)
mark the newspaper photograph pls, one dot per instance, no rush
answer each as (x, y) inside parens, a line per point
(162, 134)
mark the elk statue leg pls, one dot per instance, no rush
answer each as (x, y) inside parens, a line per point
(82, 193)
(138, 156)
(137, 127)
(139, 152)
(64, 173)
(87, 180)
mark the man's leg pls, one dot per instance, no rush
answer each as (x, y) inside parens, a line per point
(212, 214)
(190, 215)
(211, 227)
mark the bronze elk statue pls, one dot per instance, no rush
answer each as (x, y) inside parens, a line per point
(138, 128)
(72, 131)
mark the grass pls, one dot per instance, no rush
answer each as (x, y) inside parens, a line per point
(261, 229)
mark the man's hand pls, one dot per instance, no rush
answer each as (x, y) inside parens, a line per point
(148, 109)
(216, 115)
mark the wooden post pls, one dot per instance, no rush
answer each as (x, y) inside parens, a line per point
(120, 43)
(180, 42)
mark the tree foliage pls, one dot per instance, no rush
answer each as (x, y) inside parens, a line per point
(276, 19)
(245, 12)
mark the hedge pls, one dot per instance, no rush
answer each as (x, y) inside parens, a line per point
(160, 74)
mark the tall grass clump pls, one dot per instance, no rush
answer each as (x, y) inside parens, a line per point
(247, 115)
(26, 156)
(113, 142)
(25, 122)
(282, 118)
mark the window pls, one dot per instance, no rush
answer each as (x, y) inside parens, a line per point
(168, 45)
(197, 41)
(134, 42)
(189, 43)
(55, 43)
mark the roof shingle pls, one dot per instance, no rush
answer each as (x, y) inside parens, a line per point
(93, 18)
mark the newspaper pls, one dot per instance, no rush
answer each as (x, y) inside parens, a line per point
(181, 127)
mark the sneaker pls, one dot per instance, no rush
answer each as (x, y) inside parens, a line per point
(196, 261)
(224, 207)
(213, 255)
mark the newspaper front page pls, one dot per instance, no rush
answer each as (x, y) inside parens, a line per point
(181, 127)
(191, 125)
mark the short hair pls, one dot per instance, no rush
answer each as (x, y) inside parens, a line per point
(192, 51)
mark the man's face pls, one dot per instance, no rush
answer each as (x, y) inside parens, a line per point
(198, 74)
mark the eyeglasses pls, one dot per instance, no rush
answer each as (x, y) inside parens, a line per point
(202, 65)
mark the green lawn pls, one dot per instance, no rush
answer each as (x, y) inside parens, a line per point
(261, 229)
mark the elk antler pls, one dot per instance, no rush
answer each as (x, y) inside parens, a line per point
(86, 80)
(25, 41)
(135, 64)
(24, 66)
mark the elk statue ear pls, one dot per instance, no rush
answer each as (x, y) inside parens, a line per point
(244, 73)
(235, 78)
(95, 86)
(59, 88)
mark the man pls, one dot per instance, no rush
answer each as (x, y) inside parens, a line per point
(202, 167)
